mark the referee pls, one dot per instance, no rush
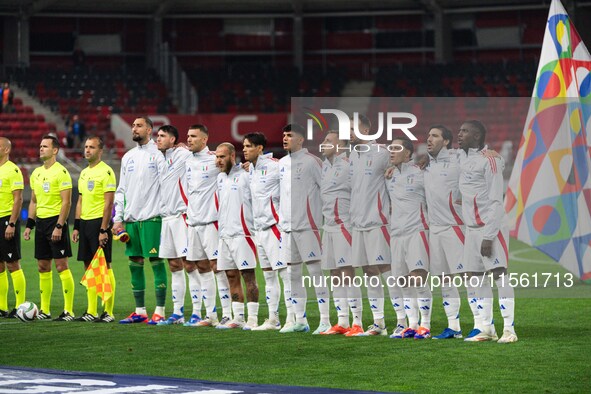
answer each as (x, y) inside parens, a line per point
(11, 202)
(51, 199)
(92, 227)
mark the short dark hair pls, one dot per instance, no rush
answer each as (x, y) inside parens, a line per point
(171, 130)
(406, 144)
(295, 128)
(256, 138)
(481, 128)
(200, 127)
(101, 143)
(54, 141)
(445, 133)
(147, 119)
(364, 120)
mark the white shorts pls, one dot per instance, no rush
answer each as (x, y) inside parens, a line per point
(447, 249)
(237, 253)
(473, 261)
(267, 242)
(173, 238)
(300, 246)
(371, 247)
(336, 249)
(203, 242)
(409, 253)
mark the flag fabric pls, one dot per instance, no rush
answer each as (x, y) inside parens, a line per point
(548, 200)
(97, 276)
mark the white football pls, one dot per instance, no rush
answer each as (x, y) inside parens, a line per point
(27, 311)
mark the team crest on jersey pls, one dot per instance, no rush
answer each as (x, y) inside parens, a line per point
(368, 163)
(204, 168)
(90, 185)
(46, 187)
(410, 179)
(236, 179)
(446, 164)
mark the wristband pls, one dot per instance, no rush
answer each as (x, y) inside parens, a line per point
(77, 224)
(30, 223)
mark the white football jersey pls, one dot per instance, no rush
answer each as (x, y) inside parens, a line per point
(406, 189)
(335, 190)
(369, 202)
(481, 185)
(442, 189)
(173, 183)
(202, 176)
(235, 216)
(300, 174)
(264, 191)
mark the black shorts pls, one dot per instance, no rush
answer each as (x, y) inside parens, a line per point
(45, 248)
(89, 232)
(10, 250)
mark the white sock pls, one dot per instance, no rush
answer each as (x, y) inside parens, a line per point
(322, 293)
(195, 290)
(224, 293)
(285, 275)
(473, 303)
(485, 304)
(238, 310)
(299, 296)
(253, 312)
(375, 296)
(506, 302)
(451, 306)
(425, 301)
(272, 293)
(340, 303)
(208, 293)
(355, 304)
(411, 307)
(160, 311)
(179, 287)
(141, 311)
(396, 298)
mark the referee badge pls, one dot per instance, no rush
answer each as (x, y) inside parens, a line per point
(46, 187)
(90, 185)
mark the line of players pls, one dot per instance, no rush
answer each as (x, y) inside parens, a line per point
(211, 199)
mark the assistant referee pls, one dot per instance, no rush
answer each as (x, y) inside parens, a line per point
(51, 199)
(92, 227)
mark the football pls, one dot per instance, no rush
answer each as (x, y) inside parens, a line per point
(27, 311)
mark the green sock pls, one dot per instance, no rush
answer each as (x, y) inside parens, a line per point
(68, 290)
(110, 304)
(4, 291)
(46, 288)
(160, 281)
(138, 283)
(20, 286)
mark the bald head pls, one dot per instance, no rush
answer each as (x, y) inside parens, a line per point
(5, 147)
(5, 143)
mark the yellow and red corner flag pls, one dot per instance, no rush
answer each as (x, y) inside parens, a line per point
(97, 276)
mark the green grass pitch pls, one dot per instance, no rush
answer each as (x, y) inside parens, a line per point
(553, 353)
